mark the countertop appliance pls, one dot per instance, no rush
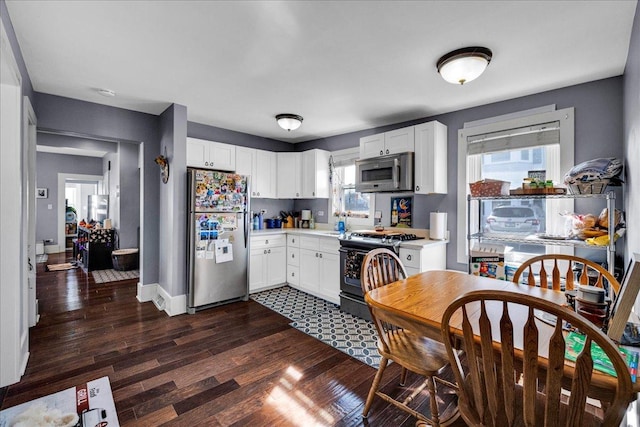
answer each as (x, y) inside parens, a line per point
(353, 248)
(218, 241)
(387, 173)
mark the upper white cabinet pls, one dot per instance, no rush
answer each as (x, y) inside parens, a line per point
(260, 165)
(212, 155)
(430, 158)
(315, 174)
(392, 142)
(289, 176)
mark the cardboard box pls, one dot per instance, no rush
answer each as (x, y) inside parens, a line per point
(488, 261)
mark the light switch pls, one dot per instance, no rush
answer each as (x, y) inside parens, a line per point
(320, 213)
(49, 206)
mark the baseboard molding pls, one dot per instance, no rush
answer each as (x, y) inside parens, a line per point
(52, 249)
(147, 293)
(172, 305)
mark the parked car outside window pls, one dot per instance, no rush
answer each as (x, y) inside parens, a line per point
(512, 219)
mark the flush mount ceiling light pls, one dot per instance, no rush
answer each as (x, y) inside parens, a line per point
(289, 122)
(464, 65)
(106, 92)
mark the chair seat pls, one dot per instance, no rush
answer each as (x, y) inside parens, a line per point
(418, 354)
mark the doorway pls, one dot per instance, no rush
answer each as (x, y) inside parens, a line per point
(76, 195)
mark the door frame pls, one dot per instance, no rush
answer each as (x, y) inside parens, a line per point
(62, 179)
(29, 136)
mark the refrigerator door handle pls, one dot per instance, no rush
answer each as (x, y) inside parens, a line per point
(246, 229)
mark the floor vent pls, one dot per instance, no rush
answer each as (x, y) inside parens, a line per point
(159, 302)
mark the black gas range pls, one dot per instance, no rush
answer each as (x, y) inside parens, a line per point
(353, 248)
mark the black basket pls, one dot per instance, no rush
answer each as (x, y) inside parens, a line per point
(125, 259)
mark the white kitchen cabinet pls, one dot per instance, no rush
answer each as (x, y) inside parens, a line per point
(268, 260)
(320, 267)
(261, 166)
(315, 174)
(289, 176)
(430, 257)
(392, 142)
(211, 155)
(430, 158)
(293, 260)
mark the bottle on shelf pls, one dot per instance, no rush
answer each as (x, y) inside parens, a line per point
(394, 214)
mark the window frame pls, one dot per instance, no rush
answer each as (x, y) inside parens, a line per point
(566, 119)
(344, 158)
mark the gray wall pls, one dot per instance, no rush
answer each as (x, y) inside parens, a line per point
(85, 118)
(212, 133)
(631, 138)
(129, 195)
(598, 133)
(173, 198)
(49, 165)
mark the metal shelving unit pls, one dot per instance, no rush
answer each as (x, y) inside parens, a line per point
(533, 239)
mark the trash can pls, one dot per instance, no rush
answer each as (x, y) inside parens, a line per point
(125, 259)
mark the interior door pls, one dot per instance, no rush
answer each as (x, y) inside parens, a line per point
(29, 204)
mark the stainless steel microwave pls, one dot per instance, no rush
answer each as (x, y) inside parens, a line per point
(387, 173)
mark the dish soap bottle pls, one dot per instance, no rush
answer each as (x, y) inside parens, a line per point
(312, 222)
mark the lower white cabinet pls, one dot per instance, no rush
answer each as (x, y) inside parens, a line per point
(430, 257)
(268, 260)
(319, 267)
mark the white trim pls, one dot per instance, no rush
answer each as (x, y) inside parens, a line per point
(62, 179)
(173, 305)
(147, 293)
(29, 136)
(14, 333)
(566, 118)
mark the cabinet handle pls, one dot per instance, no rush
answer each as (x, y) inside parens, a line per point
(206, 163)
(293, 274)
(266, 242)
(265, 251)
(293, 240)
(316, 254)
(293, 255)
(381, 152)
(408, 257)
(417, 188)
(320, 255)
(387, 151)
(297, 194)
(269, 250)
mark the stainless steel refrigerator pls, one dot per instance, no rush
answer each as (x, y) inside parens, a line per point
(218, 247)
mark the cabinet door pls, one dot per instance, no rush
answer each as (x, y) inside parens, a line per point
(309, 270)
(245, 162)
(197, 153)
(329, 283)
(289, 176)
(276, 265)
(265, 174)
(372, 146)
(258, 269)
(399, 141)
(222, 156)
(315, 174)
(430, 158)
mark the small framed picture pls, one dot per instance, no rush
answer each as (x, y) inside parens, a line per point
(42, 193)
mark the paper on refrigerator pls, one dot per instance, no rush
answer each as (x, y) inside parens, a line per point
(224, 251)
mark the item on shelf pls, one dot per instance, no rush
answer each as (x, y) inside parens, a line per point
(593, 176)
(533, 191)
(489, 187)
(603, 219)
(488, 261)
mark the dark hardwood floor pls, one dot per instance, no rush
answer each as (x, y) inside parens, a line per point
(236, 365)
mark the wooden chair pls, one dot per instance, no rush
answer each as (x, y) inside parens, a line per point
(405, 347)
(565, 271)
(490, 391)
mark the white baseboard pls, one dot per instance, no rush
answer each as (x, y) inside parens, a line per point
(52, 249)
(147, 293)
(172, 305)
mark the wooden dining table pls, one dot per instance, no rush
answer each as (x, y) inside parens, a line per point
(425, 296)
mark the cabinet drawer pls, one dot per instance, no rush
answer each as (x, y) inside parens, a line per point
(293, 240)
(293, 256)
(307, 242)
(410, 258)
(268, 241)
(293, 275)
(329, 244)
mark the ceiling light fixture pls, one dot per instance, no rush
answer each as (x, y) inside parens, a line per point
(289, 122)
(464, 65)
(106, 92)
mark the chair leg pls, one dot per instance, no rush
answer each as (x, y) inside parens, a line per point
(374, 386)
(435, 416)
(403, 376)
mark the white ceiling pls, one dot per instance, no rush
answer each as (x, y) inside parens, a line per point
(343, 65)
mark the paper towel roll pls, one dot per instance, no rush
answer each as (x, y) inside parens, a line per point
(438, 226)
